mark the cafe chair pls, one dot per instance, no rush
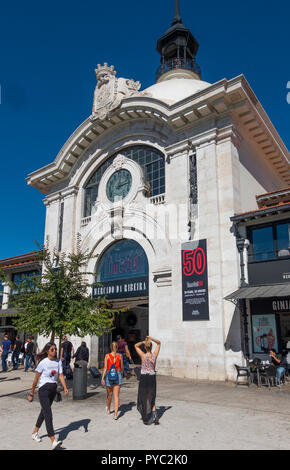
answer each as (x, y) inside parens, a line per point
(269, 375)
(243, 372)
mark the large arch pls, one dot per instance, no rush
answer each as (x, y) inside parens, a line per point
(122, 275)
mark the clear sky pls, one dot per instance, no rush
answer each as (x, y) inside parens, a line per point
(49, 53)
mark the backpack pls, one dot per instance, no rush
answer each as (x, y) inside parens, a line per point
(113, 375)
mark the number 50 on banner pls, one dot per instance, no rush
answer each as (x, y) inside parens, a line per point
(194, 262)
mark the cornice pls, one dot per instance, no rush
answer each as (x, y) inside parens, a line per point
(60, 195)
(233, 96)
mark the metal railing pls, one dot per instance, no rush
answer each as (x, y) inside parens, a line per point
(257, 256)
(178, 63)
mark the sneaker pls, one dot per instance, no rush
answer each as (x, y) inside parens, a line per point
(36, 437)
(116, 416)
(108, 411)
(56, 444)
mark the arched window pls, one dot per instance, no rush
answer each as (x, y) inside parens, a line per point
(150, 159)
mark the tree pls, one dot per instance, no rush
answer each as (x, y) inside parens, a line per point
(56, 302)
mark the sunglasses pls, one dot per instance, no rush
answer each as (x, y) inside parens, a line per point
(52, 349)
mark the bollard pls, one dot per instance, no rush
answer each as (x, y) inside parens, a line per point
(80, 380)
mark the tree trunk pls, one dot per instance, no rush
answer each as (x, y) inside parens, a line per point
(60, 340)
(52, 336)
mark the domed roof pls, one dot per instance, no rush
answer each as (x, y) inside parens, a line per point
(176, 89)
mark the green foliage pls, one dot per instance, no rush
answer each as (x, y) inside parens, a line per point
(57, 302)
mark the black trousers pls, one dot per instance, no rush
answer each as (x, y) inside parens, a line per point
(46, 396)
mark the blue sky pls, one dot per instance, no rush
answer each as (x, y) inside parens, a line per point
(49, 53)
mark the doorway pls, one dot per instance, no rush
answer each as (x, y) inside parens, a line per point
(133, 326)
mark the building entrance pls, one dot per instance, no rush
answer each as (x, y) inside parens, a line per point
(122, 277)
(133, 326)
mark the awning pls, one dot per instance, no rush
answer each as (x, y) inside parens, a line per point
(259, 292)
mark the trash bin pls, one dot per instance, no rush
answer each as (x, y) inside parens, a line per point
(80, 380)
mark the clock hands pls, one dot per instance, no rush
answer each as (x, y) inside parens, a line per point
(123, 183)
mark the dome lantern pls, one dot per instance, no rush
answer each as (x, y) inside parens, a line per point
(178, 48)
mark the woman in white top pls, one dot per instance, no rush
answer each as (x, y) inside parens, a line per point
(147, 384)
(47, 372)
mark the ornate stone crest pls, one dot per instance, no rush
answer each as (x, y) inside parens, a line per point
(119, 161)
(110, 91)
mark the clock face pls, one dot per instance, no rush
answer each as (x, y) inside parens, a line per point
(119, 185)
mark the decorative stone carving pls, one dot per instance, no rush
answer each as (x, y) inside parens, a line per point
(110, 91)
(117, 215)
(119, 161)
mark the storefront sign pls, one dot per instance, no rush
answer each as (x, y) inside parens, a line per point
(264, 333)
(135, 287)
(270, 305)
(122, 272)
(269, 272)
(194, 281)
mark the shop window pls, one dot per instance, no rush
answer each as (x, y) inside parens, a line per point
(264, 333)
(269, 242)
(262, 243)
(283, 239)
(18, 278)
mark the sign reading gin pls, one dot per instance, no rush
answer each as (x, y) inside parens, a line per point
(194, 281)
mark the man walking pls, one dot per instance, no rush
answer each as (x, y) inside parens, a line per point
(29, 356)
(16, 351)
(66, 353)
(5, 350)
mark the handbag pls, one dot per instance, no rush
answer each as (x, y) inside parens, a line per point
(58, 397)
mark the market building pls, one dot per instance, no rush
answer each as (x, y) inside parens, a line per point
(150, 181)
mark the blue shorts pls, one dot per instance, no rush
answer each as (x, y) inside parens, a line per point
(120, 380)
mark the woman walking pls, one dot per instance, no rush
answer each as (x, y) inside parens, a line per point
(147, 384)
(48, 370)
(112, 377)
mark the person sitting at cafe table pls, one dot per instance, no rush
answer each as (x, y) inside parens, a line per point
(278, 364)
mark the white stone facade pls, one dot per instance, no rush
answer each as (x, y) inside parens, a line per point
(236, 149)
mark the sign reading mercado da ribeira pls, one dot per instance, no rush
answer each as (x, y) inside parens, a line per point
(122, 272)
(194, 281)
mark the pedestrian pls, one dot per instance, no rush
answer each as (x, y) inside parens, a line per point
(66, 353)
(47, 372)
(5, 350)
(16, 351)
(29, 355)
(147, 383)
(36, 349)
(82, 353)
(112, 378)
(124, 350)
(280, 370)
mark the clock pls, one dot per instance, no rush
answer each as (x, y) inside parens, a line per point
(119, 185)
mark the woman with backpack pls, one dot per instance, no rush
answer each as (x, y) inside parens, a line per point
(112, 377)
(147, 383)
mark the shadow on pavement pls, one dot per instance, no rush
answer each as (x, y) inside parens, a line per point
(123, 409)
(17, 393)
(4, 379)
(74, 426)
(161, 410)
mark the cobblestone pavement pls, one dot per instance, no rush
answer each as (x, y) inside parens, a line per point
(193, 415)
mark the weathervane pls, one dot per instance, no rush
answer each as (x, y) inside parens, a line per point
(177, 18)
